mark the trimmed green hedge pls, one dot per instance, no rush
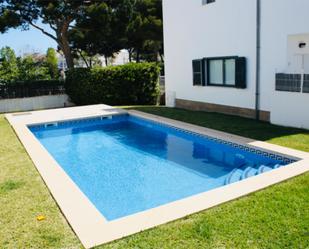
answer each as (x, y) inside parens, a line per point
(130, 84)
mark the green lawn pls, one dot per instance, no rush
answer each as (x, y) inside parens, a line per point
(23, 196)
(277, 217)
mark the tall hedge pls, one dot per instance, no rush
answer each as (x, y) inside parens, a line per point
(130, 84)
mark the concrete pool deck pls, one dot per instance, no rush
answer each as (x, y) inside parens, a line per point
(89, 224)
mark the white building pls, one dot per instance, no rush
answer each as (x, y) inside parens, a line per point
(231, 56)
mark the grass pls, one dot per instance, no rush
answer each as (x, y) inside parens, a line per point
(276, 217)
(23, 196)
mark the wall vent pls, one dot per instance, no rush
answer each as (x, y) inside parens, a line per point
(288, 82)
(306, 83)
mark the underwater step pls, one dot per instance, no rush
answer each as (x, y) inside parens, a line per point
(234, 176)
(248, 172)
(263, 169)
(277, 166)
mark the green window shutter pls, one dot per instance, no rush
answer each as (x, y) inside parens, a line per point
(241, 73)
(197, 66)
(204, 72)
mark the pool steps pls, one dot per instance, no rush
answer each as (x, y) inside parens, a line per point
(264, 169)
(246, 170)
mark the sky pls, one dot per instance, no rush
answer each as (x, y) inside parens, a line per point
(29, 41)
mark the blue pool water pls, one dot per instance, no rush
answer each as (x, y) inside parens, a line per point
(126, 164)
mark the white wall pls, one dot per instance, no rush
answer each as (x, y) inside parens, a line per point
(226, 28)
(280, 19)
(34, 103)
(283, 22)
(290, 109)
(298, 58)
(193, 31)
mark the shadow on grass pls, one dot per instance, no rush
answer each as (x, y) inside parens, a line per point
(10, 185)
(232, 124)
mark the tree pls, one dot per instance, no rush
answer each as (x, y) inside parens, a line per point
(102, 29)
(20, 69)
(60, 15)
(83, 59)
(8, 65)
(29, 69)
(109, 26)
(145, 30)
(52, 63)
(93, 26)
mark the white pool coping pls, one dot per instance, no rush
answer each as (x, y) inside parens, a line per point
(89, 224)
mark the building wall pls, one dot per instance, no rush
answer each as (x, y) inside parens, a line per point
(290, 109)
(298, 58)
(34, 103)
(280, 19)
(228, 28)
(193, 31)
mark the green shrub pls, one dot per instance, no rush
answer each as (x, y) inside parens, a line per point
(130, 84)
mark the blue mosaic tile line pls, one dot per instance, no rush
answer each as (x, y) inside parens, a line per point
(99, 120)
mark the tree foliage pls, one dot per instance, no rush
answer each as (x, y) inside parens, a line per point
(101, 30)
(58, 14)
(145, 30)
(27, 68)
(8, 65)
(92, 26)
(109, 26)
(52, 63)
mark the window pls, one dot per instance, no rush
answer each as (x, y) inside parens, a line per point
(230, 72)
(215, 69)
(207, 1)
(220, 71)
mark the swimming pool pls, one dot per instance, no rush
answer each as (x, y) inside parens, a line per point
(126, 164)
